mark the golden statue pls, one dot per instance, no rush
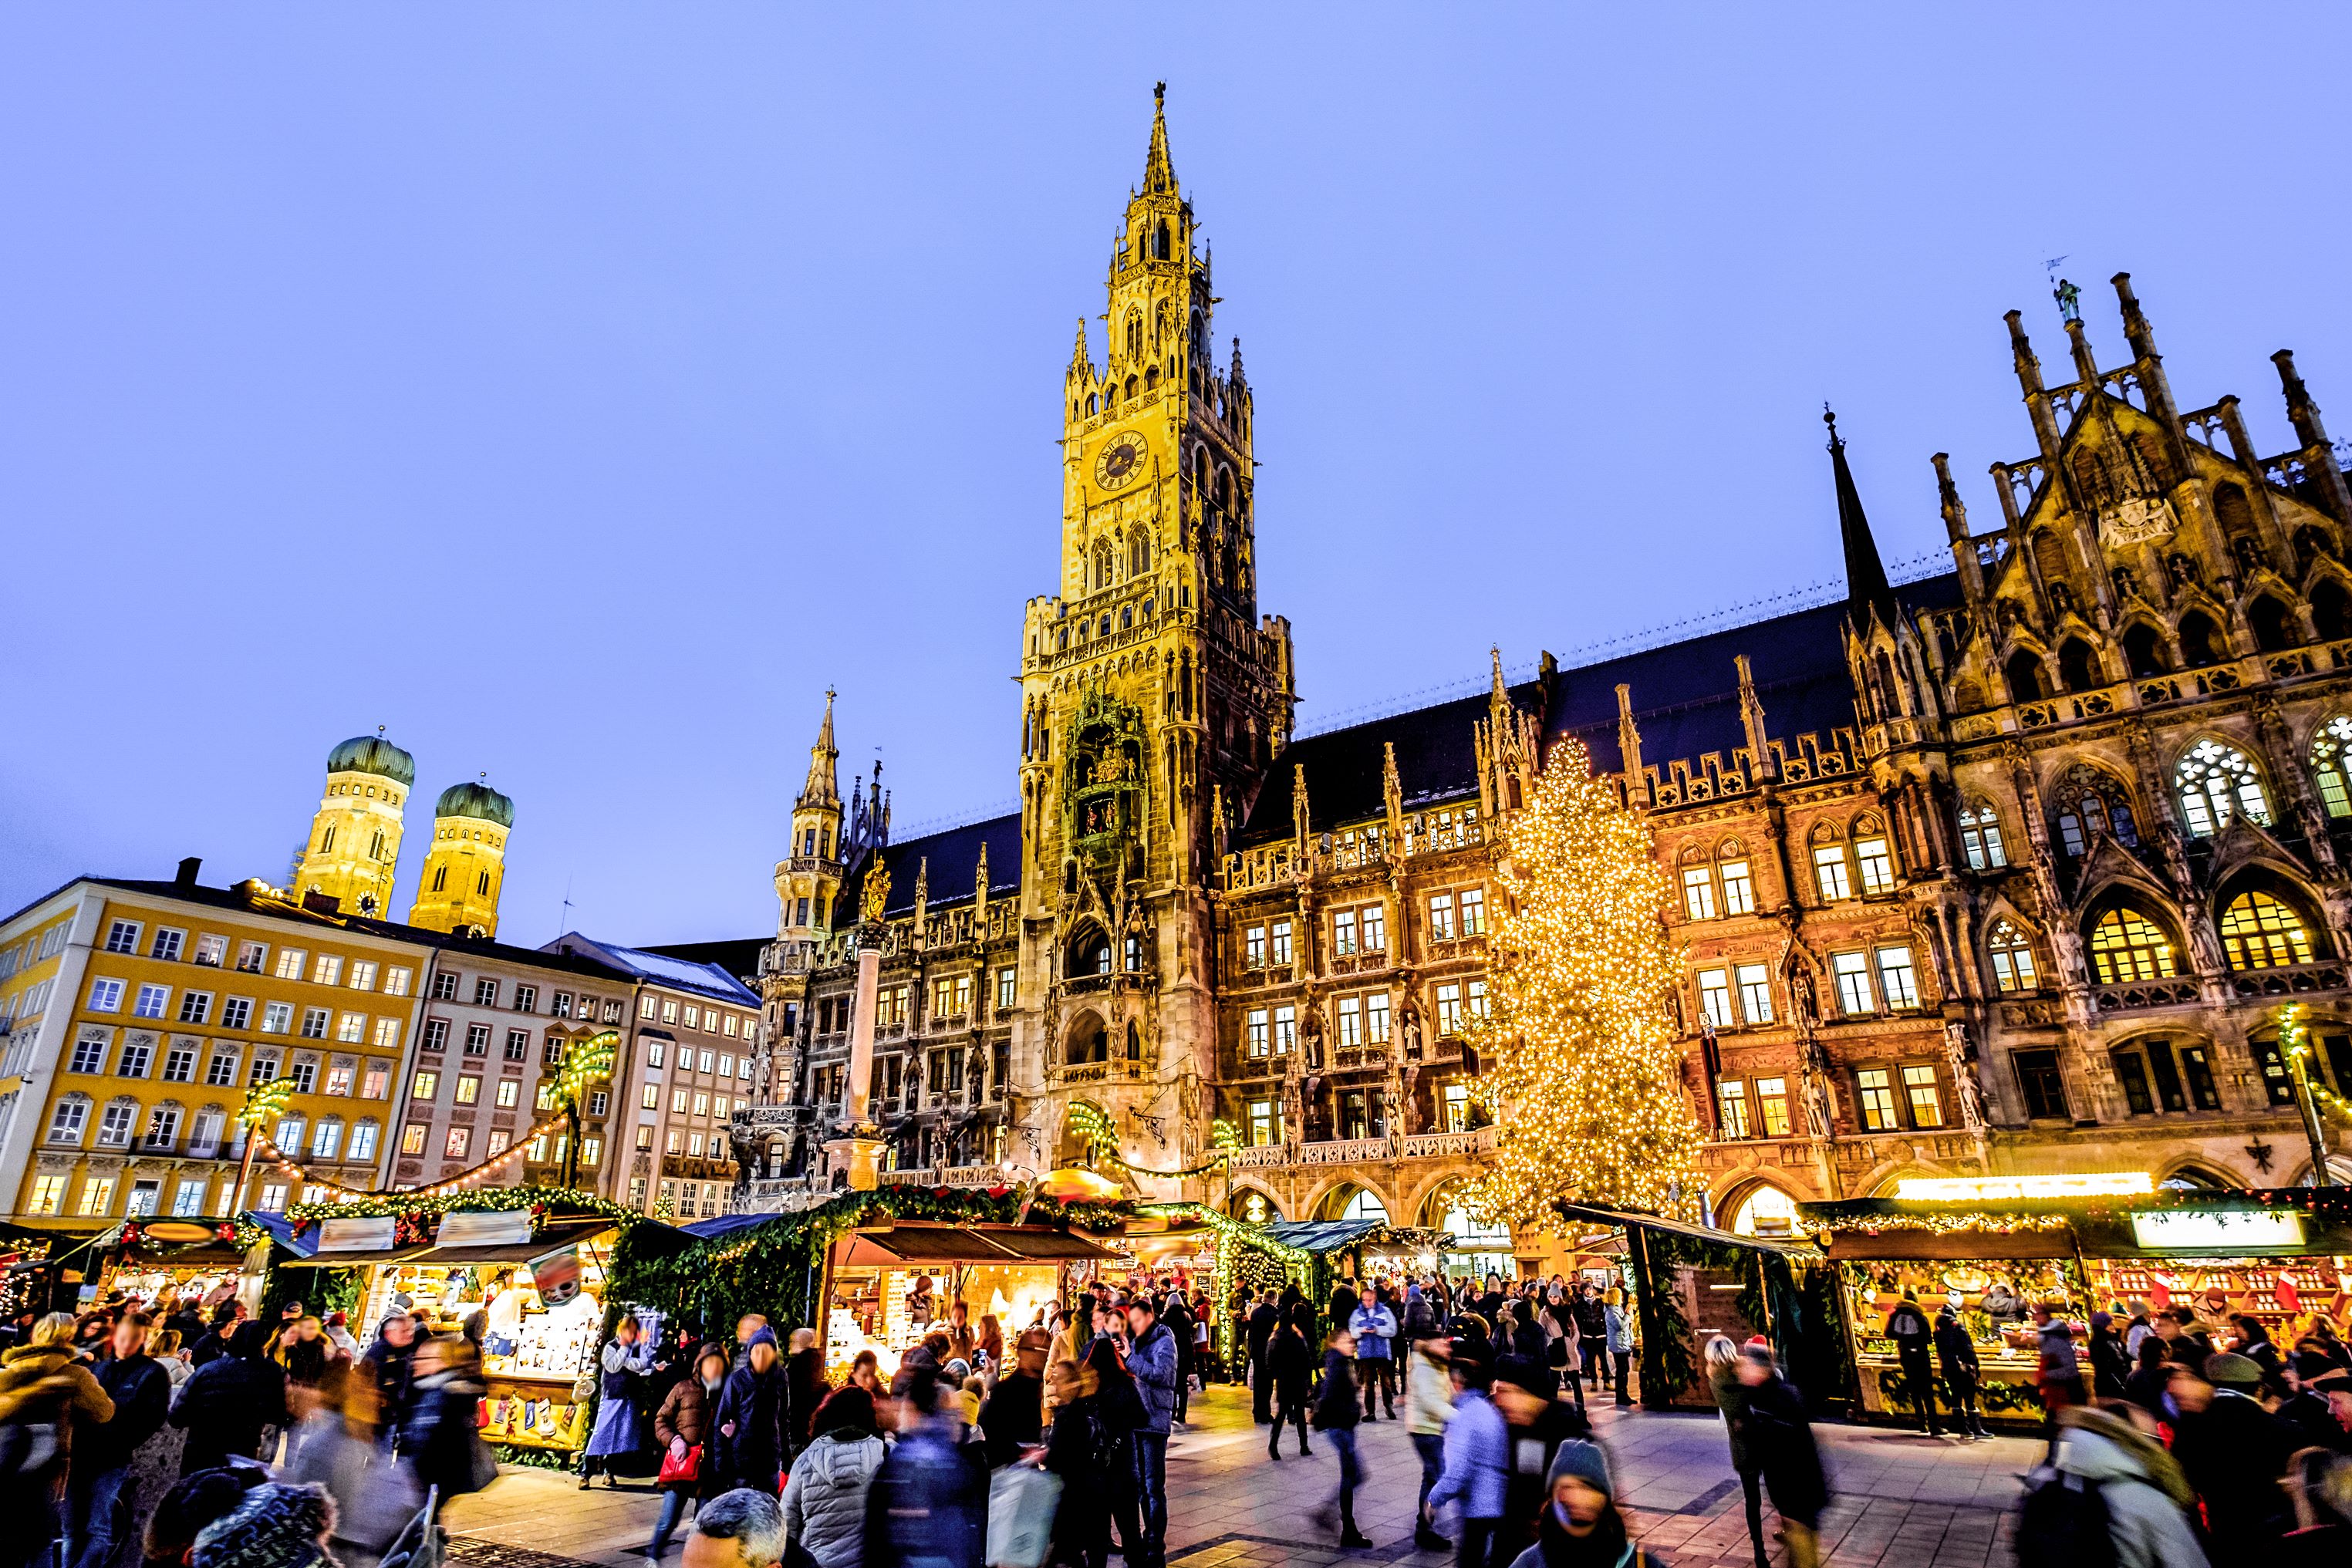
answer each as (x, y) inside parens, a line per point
(877, 893)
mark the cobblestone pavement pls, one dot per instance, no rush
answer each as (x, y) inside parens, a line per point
(1903, 1500)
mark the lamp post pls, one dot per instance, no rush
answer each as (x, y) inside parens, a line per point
(588, 1061)
(263, 1102)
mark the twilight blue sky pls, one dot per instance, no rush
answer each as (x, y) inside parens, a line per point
(578, 388)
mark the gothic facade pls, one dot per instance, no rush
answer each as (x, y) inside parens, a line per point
(2005, 870)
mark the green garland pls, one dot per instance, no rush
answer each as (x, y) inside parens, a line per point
(378, 1206)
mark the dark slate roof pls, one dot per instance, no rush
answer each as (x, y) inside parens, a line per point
(953, 854)
(1685, 698)
(739, 955)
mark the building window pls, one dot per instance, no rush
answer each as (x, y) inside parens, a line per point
(194, 1005)
(1277, 936)
(326, 1139)
(1449, 1009)
(1878, 1098)
(486, 993)
(1829, 872)
(2012, 958)
(290, 962)
(1441, 917)
(669, 1009)
(167, 944)
(1927, 1104)
(352, 1028)
(654, 1052)
(98, 1194)
(1006, 995)
(180, 1064)
(329, 970)
(314, 1023)
(2278, 1082)
(1285, 1029)
(1254, 1033)
(122, 936)
(2044, 1086)
(153, 1003)
(362, 975)
(469, 1088)
(1343, 934)
(1699, 892)
(1349, 1018)
(188, 1197)
(1739, 891)
(2126, 947)
(277, 1018)
(460, 1139)
(133, 1062)
(2258, 932)
(510, 1090)
(423, 1086)
(377, 1080)
(1851, 972)
(2215, 781)
(362, 1143)
(413, 1136)
(221, 1071)
(89, 1055)
(1731, 1097)
(526, 998)
(1715, 996)
(2327, 765)
(1265, 1123)
(396, 982)
(105, 996)
(212, 952)
(250, 956)
(445, 985)
(67, 1122)
(114, 1123)
(1755, 992)
(1773, 1103)
(1897, 981)
(435, 1036)
(48, 1194)
(1877, 865)
(236, 1012)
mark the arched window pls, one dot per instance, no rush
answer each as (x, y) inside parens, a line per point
(2258, 932)
(2273, 624)
(2331, 611)
(2126, 947)
(1102, 563)
(1769, 1211)
(1365, 1206)
(1138, 553)
(1152, 378)
(2214, 780)
(2078, 667)
(1134, 338)
(2091, 803)
(1980, 836)
(2012, 958)
(2328, 765)
(2024, 672)
(2144, 650)
(2231, 510)
(2201, 641)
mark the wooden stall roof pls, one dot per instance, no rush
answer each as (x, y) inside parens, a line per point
(890, 1245)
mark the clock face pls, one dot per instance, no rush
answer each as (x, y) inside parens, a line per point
(1120, 459)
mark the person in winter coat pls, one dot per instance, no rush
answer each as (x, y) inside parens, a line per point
(227, 1403)
(1078, 1450)
(927, 1506)
(1289, 1367)
(1777, 1430)
(825, 1501)
(1526, 1393)
(626, 1358)
(1580, 1527)
(208, 1348)
(1119, 1411)
(1722, 1359)
(749, 1425)
(1374, 1326)
(1618, 1328)
(1477, 1465)
(334, 1449)
(1913, 1338)
(1957, 1354)
(1569, 1349)
(1335, 1416)
(1176, 1317)
(440, 1445)
(1265, 1319)
(391, 1359)
(2235, 1452)
(2110, 1365)
(1152, 1361)
(2147, 1495)
(1592, 1327)
(97, 1512)
(1014, 1418)
(682, 1424)
(1428, 1405)
(44, 1396)
(805, 1387)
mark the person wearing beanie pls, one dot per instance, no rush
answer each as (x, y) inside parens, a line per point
(2307, 1408)
(1777, 1431)
(682, 1426)
(1908, 1326)
(2110, 1361)
(2146, 1496)
(1580, 1527)
(1536, 1423)
(749, 1425)
(825, 1501)
(276, 1526)
(226, 1405)
(2234, 1452)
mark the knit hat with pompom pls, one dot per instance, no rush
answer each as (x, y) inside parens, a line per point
(275, 1527)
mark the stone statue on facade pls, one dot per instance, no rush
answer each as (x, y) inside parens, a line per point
(876, 895)
(1965, 1087)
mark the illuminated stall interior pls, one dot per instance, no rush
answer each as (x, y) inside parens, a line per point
(886, 1288)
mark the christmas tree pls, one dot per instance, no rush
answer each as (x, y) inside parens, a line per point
(1587, 1081)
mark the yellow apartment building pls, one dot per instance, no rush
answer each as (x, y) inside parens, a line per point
(134, 1016)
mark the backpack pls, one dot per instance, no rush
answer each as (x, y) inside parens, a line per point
(2062, 1522)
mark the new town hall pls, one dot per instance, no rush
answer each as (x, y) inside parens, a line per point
(2006, 870)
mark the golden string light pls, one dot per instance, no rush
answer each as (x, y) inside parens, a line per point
(1586, 1088)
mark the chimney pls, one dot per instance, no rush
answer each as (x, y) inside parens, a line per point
(319, 903)
(188, 869)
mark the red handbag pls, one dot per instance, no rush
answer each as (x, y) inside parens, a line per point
(677, 1469)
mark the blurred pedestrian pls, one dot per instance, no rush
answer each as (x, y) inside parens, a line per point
(224, 1407)
(1957, 1353)
(97, 1512)
(1580, 1527)
(1152, 1361)
(1477, 1465)
(439, 1441)
(825, 1501)
(1287, 1367)
(48, 1398)
(927, 1506)
(2141, 1488)
(682, 1429)
(1731, 1394)
(1778, 1430)
(2235, 1453)
(626, 1358)
(1428, 1407)
(1335, 1416)
(335, 1447)
(805, 1388)
(748, 1422)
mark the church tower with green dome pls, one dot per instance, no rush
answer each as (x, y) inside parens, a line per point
(354, 841)
(466, 867)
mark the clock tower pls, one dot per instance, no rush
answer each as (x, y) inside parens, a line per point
(1154, 698)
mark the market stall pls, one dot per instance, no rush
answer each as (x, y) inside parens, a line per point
(1994, 1248)
(186, 1258)
(887, 1286)
(536, 1270)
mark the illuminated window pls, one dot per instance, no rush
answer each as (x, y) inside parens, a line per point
(1350, 1021)
(1851, 972)
(1441, 917)
(363, 1141)
(2215, 781)
(1449, 1009)
(1829, 872)
(1715, 996)
(1699, 892)
(469, 1088)
(1253, 1032)
(1731, 1095)
(1285, 1029)
(1739, 891)
(2328, 765)
(1755, 992)
(328, 971)
(290, 962)
(377, 1080)
(1897, 981)
(2013, 957)
(2091, 803)
(510, 1091)
(362, 977)
(2126, 947)
(2258, 932)
(98, 1194)
(1773, 1103)
(458, 1140)
(1470, 910)
(1265, 1123)
(1278, 943)
(1343, 934)
(1926, 1105)
(49, 1195)
(413, 1136)
(423, 1086)
(1376, 1020)
(1877, 864)
(1878, 1098)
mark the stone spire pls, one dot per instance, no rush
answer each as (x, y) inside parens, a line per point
(1867, 592)
(1158, 173)
(821, 788)
(1628, 746)
(1751, 719)
(1392, 797)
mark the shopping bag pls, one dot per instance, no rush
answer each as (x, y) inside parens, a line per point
(1020, 1504)
(676, 1467)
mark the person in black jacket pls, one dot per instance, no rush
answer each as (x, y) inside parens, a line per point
(1335, 1414)
(1264, 1320)
(2234, 1452)
(1536, 1422)
(227, 1403)
(748, 1428)
(1013, 1417)
(1177, 1319)
(438, 1439)
(393, 1361)
(209, 1348)
(1078, 1450)
(2110, 1365)
(1289, 1372)
(1593, 1328)
(1957, 1353)
(96, 1518)
(1913, 1337)
(1118, 1409)
(1777, 1430)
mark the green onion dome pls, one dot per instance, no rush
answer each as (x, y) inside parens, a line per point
(373, 754)
(475, 800)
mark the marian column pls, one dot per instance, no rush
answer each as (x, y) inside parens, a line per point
(858, 1150)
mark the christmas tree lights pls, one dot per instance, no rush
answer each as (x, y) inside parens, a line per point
(1587, 1087)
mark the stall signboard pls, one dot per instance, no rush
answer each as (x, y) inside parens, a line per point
(362, 1234)
(482, 1228)
(2250, 1231)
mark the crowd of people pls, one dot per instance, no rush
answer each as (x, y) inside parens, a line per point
(132, 1429)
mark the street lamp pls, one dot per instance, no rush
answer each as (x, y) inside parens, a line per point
(264, 1104)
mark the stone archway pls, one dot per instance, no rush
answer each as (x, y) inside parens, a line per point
(1762, 1208)
(1349, 1199)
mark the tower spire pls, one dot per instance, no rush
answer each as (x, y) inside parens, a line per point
(1158, 173)
(821, 788)
(1867, 592)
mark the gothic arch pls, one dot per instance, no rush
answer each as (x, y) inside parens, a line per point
(2212, 754)
(1243, 1190)
(1329, 1200)
(1743, 1192)
(2201, 1173)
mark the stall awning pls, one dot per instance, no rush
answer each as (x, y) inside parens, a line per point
(1046, 1245)
(1592, 1215)
(356, 1259)
(961, 1244)
(549, 1239)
